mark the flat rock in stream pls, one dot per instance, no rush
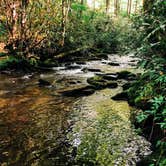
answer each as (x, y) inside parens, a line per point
(77, 91)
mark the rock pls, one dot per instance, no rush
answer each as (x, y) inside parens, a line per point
(126, 75)
(81, 63)
(112, 85)
(5, 72)
(126, 86)
(110, 77)
(102, 55)
(103, 62)
(100, 83)
(72, 82)
(113, 64)
(44, 82)
(72, 67)
(91, 70)
(48, 63)
(120, 96)
(78, 91)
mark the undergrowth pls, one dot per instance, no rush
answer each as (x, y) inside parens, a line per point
(149, 92)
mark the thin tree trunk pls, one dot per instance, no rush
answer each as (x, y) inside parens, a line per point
(82, 3)
(65, 11)
(116, 7)
(107, 6)
(136, 4)
(129, 7)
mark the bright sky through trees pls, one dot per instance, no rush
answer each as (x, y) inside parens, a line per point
(98, 4)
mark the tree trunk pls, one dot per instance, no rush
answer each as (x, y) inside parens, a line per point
(136, 4)
(107, 6)
(116, 7)
(65, 11)
(129, 7)
(82, 3)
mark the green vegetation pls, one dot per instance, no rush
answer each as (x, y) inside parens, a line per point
(149, 92)
(36, 33)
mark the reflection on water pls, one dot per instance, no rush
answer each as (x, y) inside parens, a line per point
(32, 121)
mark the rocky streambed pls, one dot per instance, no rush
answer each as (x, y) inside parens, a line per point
(67, 116)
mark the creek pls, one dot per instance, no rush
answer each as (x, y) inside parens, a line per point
(40, 126)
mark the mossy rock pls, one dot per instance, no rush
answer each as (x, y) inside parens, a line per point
(100, 83)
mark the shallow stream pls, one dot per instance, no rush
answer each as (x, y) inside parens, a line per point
(41, 127)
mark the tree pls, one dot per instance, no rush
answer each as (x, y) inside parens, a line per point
(65, 11)
(129, 3)
(116, 7)
(107, 6)
(27, 23)
(136, 4)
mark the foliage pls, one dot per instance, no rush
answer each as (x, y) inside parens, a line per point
(149, 92)
(9, 62)
(90, 28)
(27, 24)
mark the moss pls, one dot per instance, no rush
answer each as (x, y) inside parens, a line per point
(99, 82)
(12, 62)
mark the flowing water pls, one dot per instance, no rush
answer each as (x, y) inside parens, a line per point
(39, 126)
